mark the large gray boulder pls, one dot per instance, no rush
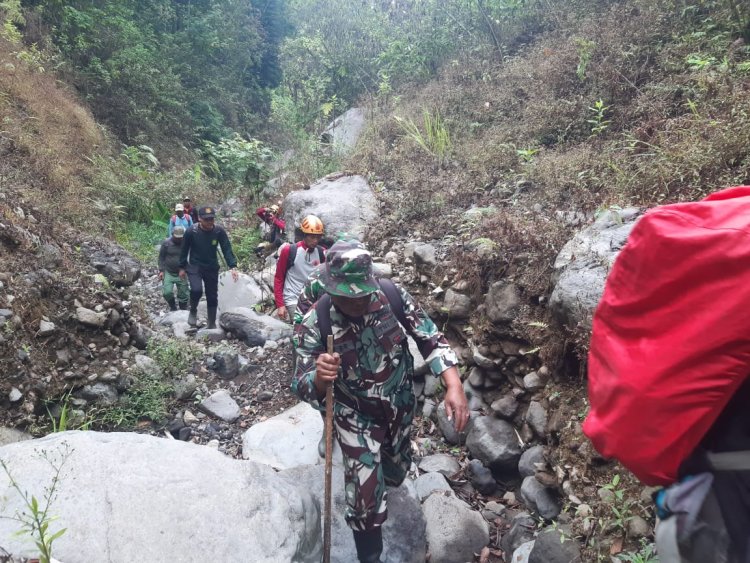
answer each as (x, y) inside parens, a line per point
(129, 497)
(344, 131)
(287, 440)
(252, 327)
(245, 292)
(120, 268)
(582, 266)
(455, 532)
(343, 203)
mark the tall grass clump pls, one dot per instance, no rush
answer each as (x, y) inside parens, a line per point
(434, 138)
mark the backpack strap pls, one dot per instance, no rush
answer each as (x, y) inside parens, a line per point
(290, 257)
(392, 295)
(323, 310)
(729, 461)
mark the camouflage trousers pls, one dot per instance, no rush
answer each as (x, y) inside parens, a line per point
(377, 453)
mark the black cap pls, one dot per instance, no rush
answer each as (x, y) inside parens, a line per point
(206, 212)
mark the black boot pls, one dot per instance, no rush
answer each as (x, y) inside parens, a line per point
(171, 303)
(211, 314)
(369, 545)
(183, 306)
(193, 316)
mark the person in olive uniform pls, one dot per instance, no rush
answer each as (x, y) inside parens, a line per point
(169, 270)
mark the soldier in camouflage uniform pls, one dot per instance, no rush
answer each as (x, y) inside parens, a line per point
(371, 370)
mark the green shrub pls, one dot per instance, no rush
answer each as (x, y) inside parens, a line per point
(174, 357)
(238, 162)
(142, 240)
(147, 399)
(244, 242)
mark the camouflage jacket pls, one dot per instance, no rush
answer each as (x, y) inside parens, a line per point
(312, 289)
(376, 363)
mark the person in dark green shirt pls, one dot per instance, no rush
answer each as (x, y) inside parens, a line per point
(199, 263)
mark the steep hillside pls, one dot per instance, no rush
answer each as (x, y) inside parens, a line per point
(47, 137)
(636, 104)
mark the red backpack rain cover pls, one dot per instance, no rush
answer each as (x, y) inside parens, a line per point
(671, 336)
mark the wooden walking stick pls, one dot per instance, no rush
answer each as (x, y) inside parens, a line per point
(329, 464)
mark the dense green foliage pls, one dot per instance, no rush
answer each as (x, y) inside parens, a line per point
(158, 69)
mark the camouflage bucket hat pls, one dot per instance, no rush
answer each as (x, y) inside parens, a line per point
(348, 270)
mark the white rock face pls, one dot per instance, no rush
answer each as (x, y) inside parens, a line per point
(129, 497)
(344, 131)
(287, 440)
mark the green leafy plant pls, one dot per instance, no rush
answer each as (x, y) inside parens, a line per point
(147, 399)
(141, 239)
(244, 242)
(598, 120)
(646, 554)
(696, 61)
(621, 506)
(585, 49)
(13, 20)
(174, 357)
(238, 161)
(527, 155)
(60, 424)
(35, 519)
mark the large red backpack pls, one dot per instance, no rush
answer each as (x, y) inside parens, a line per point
(671, 335)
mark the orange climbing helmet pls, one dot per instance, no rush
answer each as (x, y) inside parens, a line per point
(311, 225)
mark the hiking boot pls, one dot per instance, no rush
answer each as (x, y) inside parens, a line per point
(211, 314)
(193, 317)
(183, 306)
(369, 545)
(171, 303)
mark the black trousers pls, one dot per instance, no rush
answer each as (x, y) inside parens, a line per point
(200, 277)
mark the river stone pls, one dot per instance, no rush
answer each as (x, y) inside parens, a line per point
(221, 405)
(345, 204)
(581, 267)
(430, 482)
(440, 463)
(252, 327)
(495, 443)
(455, 532)
(551, 546)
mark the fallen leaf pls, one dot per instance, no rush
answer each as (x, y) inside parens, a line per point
(616, 547)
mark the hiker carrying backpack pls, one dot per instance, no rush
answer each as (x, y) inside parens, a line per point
(370, 376)
(668, 373)
(294, 266)
(179, 219)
